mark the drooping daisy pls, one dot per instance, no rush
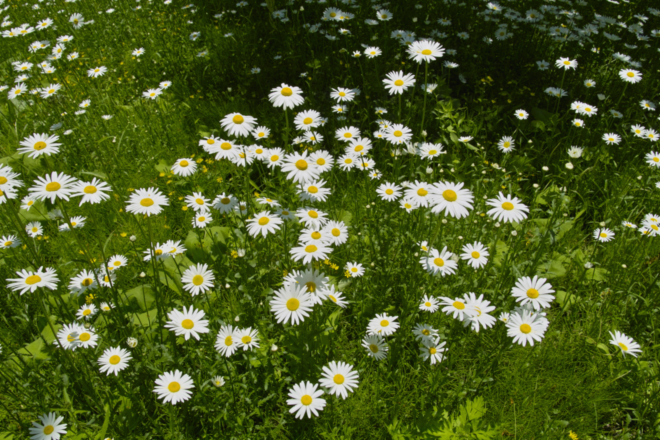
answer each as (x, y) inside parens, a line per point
(315, 281)
(9, 241)
(184, 167)
(146, 201)
(197, 279)
(433, 350)
(625, 343)
(604, 235)
(334, 296)
(339, 378)
(28, 280)
(398, 82)
(225, 341)
(187, 323)
(91, 192)
(237, 124)
(480, 318)
(292, 303)
(286, 96)
(428, 304)
(451, 198)
(106, 307)
(425, 51)
(507, 209)
(305, 400)
(247, 338)
(383, 325)
(526, 327)
(50, 428)
(534, 291)
(85, 280)
(113, 360)
(39, 144)
(439, 262)
(354, 269)
(376, 346)
(174, 387)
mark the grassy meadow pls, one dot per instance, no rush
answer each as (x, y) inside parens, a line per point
(329, 219)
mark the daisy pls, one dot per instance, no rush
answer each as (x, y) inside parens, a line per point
(433, 350)
(311, 217)
(225, 203)
(376, 346)
(425, 50)
(372, 52)
(274, 157)
(87, 338)
(430, 151)
(653, 158)
(578, 123)
(86, 311)
(566, 64)
(521, 114)
(506, 144)
(383, 325)
(310, 252)
(611, 138)
(17, 90)
(286, 96)
(341, 94)
(457, 308)
(39, 144)
(225, 341)
(67, 336)
(34, 229)
(354, 269)
(603, 235)
(337, 232)
(300, 167)
(625, 343)
(305, 400)
(247, 338)
(575, 152)
(174, 387)
(534, 291)
(97, 71)
(113, 360)
(358, 146)
(439, 262)
(475, 254)
(389, 192)
(238, 125)
(334, 296)
(29, 280)
(481, 309)
(408, 204)
(345, 134)
(50, 428)
(106, 307)
(647, 105)
(429, 304)
(507, 209)
(218, 381)
(184, 167)
(8, 178)
(314, 281)
(651, 135)
(347, 162)
(398, 82)
(197, 202)
(187, 323)
(202, 220)
(292, 303)
(146, 201)
(339, 378)
(85, 280)
(307, 120)
(419, 193)
(525, 327)
(116, 262)
(91, 192)
(49, 91)
(451, 198)
(263, 223)
(9, 241)
(398, 134)
(630, 76)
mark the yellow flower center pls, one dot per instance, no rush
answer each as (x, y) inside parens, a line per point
(49, 429)
(238, 119)
(311, 286)
(310, 248)
(301, 165)
(114, 359)
(335, 232)
(263, 221)
(53, 186)
(201, 219)
(187, 324)
(87, 312)
(87, 282)
(313, 214)
(389, 191)
(432, 350)
(630, 74)
(354, 269)
(342, 94)
(198, 280)
(32, 279)
(313, 189)
(210, 141)
(146, 202)
(40, 145)
(3, 180)
(426, 52)
(84, 337)
(526, 329)
(225, 146)
(603, 235)
(8, 243)
(229, 341)
(398, 82)
(373, 348)
(174, 387)
(475, 255)
(306, 400)
(398, 133)
(508, 206)
(35, 229)
(158, 252)
(384, 323)
(427, 304)
(623, 346)
(449, 195)
(316, 235)
(532, 293)
(439, 262)
(433, 152)
(422, 192)
(90, 189)
(656, 159)
(338, 379)
(458, 305)
(348, 135)
(292, 304)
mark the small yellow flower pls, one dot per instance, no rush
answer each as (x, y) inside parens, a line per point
(184, 208)
(89, 298)
(123, 234)
(200, 160)
(572, 435)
